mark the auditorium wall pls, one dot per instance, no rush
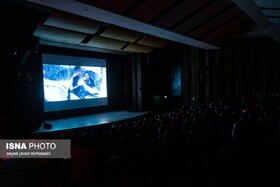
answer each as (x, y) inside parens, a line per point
(244, 68)
(240, 68)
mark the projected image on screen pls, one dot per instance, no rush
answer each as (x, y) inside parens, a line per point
(67, 82)
(73, 82)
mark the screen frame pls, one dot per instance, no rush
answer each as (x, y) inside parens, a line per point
(52, 58)
(118, 78)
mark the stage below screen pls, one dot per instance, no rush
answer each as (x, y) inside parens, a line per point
(90, 120)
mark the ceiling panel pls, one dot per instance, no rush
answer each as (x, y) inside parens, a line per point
(268, 3)
(83, 47)
(203, 15)
(274, 20)
(150, 9)
(271, 9)
(142, 25)
(215, 23)
(138, 48)
(254, 10)
(152, 41)
(72, 29)
(119, 33)
(106, 43)
(72, 22)
(181, 11)
(59, 35)
(229, 30)
(271, 12)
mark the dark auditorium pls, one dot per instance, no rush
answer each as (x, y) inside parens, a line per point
(140, 93)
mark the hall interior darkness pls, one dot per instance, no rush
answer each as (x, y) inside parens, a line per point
(196, 68)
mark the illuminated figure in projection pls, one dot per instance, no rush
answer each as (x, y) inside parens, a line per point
(82, 85)
(88, 86)
(75, 84)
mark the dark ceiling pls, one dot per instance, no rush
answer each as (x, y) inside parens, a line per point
(143, 25)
